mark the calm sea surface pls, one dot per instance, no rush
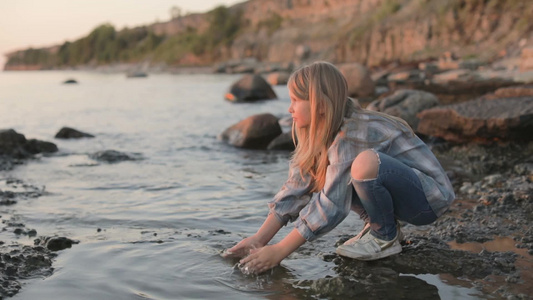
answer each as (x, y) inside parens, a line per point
(164, 219)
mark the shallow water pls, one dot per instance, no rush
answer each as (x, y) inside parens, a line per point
(153, 228)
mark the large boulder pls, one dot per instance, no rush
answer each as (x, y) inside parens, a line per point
(254, 132)
(278, 78)
(405, 104)
(250, 88)
(71, 133)
(457, 85)
(515, 91)
(360, 84)
(11, 141)
(34, 146)
(480, 120)
(15, 145)
(282, 142)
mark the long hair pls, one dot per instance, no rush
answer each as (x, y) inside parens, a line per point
(325, 87)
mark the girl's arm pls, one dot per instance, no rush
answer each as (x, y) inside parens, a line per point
(265, 233)
(268, 230)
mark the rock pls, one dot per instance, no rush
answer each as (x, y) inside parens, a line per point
(405, 104)
(243, 69)
(515, 91)
(455, 75)
(271, 67)
(246, 65)
(136, 74)
(340, 287)
(254, 132)
(428, 67)
(524, 169)
(15, 145)
(55, 243)
(360, 84)
(112, 156)
(492, 179)
(480, 120)
(10, 142)
(282, 142)
(71, 133)
(411, 75)
(19, 262)
(286, 122)
(526, 59)
(250, 88)
(458, 86)
(278, 78)
(302, 52)
(35, 146)
(470, 64)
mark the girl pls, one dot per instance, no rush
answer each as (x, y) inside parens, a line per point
(347, 158)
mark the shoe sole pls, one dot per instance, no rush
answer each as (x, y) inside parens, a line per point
(401, 236)
(395, 249)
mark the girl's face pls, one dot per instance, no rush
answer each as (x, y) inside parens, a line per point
(300, 110)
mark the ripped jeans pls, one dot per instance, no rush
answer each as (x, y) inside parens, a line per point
(396, 193)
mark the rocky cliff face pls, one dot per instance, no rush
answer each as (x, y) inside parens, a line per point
(422, 29)
(374, 32)
(371, 32)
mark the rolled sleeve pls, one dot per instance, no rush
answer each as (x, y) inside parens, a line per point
(329, 207)
(292, 197)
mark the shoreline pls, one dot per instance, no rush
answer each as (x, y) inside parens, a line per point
(494, 189)
(484, 237)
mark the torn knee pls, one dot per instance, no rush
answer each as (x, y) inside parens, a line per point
(366, 165)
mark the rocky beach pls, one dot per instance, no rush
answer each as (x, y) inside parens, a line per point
(485, 238)
(483, 138)
(459, 72)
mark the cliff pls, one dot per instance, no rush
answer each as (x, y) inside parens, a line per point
(371, 32)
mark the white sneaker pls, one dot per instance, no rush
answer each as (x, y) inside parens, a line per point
(369, 247)
(366, 228)
(399, 232)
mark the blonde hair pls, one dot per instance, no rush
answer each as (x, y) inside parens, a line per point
(326, 88)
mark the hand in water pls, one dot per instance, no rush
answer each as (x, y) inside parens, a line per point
(262, 259)
(243, 248)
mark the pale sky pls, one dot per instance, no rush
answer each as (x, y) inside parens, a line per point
(41, 23)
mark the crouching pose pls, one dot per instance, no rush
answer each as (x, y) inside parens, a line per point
(347, 158)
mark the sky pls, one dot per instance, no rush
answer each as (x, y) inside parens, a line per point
(42, 23)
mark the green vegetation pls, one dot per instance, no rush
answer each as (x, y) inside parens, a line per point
(224, 25)
(102, 46)
(385, 10)
(271, 24)
(175, 47)
(32, 57)
(105, 45)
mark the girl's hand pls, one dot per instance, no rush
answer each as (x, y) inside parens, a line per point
(263, 259)
(243, 248)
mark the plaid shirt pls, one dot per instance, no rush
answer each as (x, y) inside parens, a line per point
(318, 213)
